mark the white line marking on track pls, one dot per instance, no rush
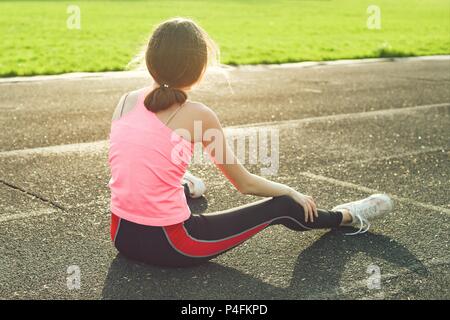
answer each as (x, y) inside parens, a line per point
(311, 90)
(402, 155)
(25, 215)
(342, 116)
(84, 147)
(101, 145)
(371, 191)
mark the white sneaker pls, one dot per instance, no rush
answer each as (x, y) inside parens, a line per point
(362, 211)
(196, 185)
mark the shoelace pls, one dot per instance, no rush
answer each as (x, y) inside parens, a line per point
(364, 226)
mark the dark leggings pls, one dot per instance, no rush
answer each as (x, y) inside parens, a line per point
(205, 236)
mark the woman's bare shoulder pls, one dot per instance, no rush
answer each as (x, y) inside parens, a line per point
(126, 103)
(199, 111)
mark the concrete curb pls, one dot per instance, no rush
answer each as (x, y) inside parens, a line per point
(144, 73)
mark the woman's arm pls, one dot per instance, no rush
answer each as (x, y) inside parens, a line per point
(215, 142)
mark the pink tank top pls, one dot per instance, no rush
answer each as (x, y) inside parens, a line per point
(147, 161)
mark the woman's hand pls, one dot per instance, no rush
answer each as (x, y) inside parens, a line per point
(308, 204)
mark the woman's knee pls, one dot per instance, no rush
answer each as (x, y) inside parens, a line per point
(287, 203)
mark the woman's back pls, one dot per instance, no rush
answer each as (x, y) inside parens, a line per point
(148, 160)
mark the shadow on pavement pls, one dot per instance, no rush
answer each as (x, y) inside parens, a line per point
(317, 273)
(320, 267)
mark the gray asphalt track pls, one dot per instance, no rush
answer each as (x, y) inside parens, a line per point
(344, 130)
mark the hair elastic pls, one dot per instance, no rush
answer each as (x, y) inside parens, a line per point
(165, 85)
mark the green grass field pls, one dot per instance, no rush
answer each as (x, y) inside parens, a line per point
(35, 39)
